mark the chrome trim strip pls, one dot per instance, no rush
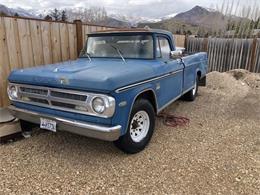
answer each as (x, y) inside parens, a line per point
(73, 126)
(88, 103)
(188, 90)
(167, 104)
(174, 99)
(146, 81)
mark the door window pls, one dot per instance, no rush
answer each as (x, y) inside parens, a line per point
(163, 48)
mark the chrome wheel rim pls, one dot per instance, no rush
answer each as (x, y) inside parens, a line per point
(139, 126)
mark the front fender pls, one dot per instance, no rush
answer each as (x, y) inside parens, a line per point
(125, 101)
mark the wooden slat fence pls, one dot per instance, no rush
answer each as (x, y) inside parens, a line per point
(227, 54)
(180, 40)
(31, 42)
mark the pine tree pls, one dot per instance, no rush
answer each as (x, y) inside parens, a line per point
(257, 24)
(3, 14)
(189, 32)
(64, 16)
(55, 14)
(48, 17)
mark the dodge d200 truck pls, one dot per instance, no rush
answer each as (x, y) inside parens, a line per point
(113, 91)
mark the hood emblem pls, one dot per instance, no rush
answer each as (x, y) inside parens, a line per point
(64, 81)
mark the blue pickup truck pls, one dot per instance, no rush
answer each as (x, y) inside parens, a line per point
(113, 91)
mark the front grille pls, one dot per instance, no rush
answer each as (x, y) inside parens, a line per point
(82, 98)
(37, 100)
(55, 98)
(34, 91)
(64, 105)
(62, 99)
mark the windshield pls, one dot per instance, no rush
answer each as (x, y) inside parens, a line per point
(119, 46)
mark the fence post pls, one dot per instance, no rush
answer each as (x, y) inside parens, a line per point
(251, 68)
(79, 35)
(186, 43)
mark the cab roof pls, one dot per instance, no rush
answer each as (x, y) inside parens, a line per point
(132, 30)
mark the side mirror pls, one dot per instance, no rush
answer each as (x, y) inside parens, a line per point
(176, 54)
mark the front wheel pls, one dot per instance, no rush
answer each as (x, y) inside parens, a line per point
(140, 128)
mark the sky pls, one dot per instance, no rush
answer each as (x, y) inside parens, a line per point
(135, 8)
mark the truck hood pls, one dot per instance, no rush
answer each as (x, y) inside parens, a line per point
(98, 75)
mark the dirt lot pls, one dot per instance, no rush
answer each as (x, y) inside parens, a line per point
(218, 153)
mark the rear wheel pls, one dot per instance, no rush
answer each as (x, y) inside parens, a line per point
(140, 128)
(192, 94)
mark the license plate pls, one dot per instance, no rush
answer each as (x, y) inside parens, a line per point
(48, 124)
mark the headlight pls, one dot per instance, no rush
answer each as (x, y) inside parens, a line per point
(98, 105)
(12, 92)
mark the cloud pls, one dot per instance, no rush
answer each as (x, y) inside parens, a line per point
(140, 8)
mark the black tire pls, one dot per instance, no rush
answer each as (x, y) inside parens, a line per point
(125, 142)
(191, 95)
(26, 128)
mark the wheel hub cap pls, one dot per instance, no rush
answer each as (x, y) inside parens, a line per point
(139, 126)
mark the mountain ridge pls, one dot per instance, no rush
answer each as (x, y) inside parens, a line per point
(196, 20)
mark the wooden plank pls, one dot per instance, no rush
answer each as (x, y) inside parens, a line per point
(227, 53)
(72, 41)
(257, 69)
(179, 40)
(4, 64)
(209, 54)
(94, 28)
(12, 42)
(253, 55)
(246, 53)
(8, 129)
(35, 27)
(235, 54)
(64, 36)
(87, 31)
(98, 28)
(55, 42)
(79, 36)
(218, 56)
(83, 35)
(25, 43)
(224, 44)
(230, 52)
(46, 42)
(205, 45)
(240, 57)
(18, 44)
(215, 55)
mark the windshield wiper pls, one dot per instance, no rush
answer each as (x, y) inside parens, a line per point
(84, 54)
(119, 52)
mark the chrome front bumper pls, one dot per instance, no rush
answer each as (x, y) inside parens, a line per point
(77, 127)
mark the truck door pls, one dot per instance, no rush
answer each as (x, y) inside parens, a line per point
(171, 84)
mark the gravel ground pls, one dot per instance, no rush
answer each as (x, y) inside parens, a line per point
(218, 153)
